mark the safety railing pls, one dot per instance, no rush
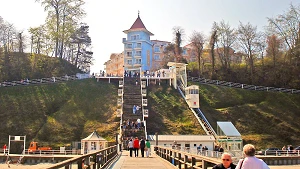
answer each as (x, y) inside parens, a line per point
(186, 159)
(99, 159)
(243, 86)
(52, 152)
(43, 80)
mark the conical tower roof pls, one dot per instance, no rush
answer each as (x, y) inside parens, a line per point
(138, 25)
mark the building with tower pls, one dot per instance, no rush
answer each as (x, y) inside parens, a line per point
(138, 51)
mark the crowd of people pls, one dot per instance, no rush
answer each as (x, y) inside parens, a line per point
(132, 127)
(134, 145)
(147, 73)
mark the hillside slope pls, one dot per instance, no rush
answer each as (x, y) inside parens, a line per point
(266, 119)
(59, 113)
(169, 113)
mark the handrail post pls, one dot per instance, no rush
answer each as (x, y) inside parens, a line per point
(185, 161)
(179, 160)
(193, 162)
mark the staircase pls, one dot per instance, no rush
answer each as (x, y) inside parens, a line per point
(132, 96)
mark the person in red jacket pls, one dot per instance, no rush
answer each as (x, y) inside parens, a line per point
(136, 146)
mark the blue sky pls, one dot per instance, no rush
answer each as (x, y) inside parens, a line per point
(108, 18)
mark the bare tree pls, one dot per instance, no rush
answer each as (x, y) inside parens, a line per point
(288, 28)
(248, 38)
(7, 34)
(273, 48)
(225, 38)
(197, 40)
(169, 55)
(179, 34)
(212, 41)
(261, 47)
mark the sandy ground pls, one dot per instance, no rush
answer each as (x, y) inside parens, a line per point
(43, 166)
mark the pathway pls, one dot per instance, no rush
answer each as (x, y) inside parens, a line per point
(154, 161)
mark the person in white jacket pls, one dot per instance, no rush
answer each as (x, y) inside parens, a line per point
(250, 161)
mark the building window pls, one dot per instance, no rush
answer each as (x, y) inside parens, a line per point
(129, 54)
(129, 62)
(93, 145)
(135, 37)
(129, 45)
(156, 57)
(139, 45)
(156, 49)
(138, 61)
(138, 53)
(194, 91)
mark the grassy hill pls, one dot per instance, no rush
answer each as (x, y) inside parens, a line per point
(266, 119)
(57, 114)
(33, 66)
(169, 113)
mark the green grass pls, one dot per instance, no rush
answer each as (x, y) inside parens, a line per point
(57, 114)
(169, 113)
(266, 119)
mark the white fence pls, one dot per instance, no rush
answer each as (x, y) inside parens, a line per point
(243, 86)
(44, 80)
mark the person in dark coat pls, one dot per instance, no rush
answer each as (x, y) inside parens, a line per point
(142, 146)
(226, 162)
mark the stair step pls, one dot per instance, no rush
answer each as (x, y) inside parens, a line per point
(132, 96)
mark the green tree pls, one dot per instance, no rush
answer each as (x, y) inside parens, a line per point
(83, 41)
(63, 15)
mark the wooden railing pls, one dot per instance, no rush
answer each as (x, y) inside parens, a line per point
(182, 159)
(96, 160)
